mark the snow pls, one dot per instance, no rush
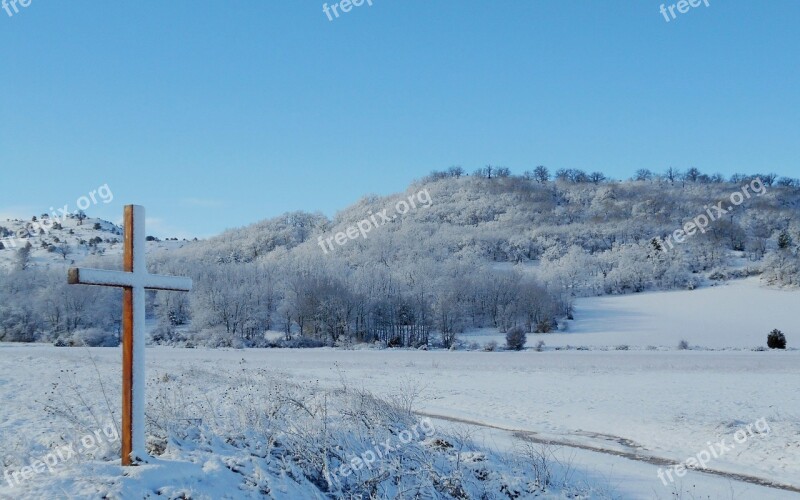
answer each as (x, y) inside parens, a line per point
(138, 397)
(108, 250)
(733, 315)
(652, 407)
(89, 276)
(737, 314)
(664, 404)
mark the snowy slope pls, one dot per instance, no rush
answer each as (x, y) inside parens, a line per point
(732, 315)
(736, 314)
(78, 236)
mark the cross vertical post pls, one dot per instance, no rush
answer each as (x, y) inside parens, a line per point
(133, 280)
(133, 319)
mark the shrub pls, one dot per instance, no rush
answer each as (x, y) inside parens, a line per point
(301, 343)
(516, 339)
(395, 342)
(776, 340)
(540, 346)
(545, 326)
(90, 337)
(96, 337)
(683, 345)
(213, 337)
(490, 346)
(163, 333)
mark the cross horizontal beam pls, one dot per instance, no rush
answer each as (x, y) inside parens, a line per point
(104, 277)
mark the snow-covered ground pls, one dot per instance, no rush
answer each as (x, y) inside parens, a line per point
(736, 314)
(731, 315)
(650, 407)
(667, 405)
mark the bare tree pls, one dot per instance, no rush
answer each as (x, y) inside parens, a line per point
(455, 171)
(672, 174)
(717, 179)
(597, 177)
(485, 172)
(63, 249)
(692, 175)
(541, 174)
(769, 179)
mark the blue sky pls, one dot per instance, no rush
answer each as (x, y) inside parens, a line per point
(219, 114)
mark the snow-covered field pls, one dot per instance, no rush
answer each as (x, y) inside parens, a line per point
(732, 315)
(656, 404)
(652, 407)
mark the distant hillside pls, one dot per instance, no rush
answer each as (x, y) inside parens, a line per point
(592, 238)
(453, 252)
(71, 240)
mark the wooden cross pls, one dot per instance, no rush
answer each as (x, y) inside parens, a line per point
(133, 280)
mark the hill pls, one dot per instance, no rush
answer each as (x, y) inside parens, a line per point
(451, 254)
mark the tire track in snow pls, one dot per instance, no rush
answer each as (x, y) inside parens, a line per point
(532, 437)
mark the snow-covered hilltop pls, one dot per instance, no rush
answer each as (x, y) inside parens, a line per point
(62, 242)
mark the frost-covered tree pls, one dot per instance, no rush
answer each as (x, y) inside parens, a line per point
(23, 257)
